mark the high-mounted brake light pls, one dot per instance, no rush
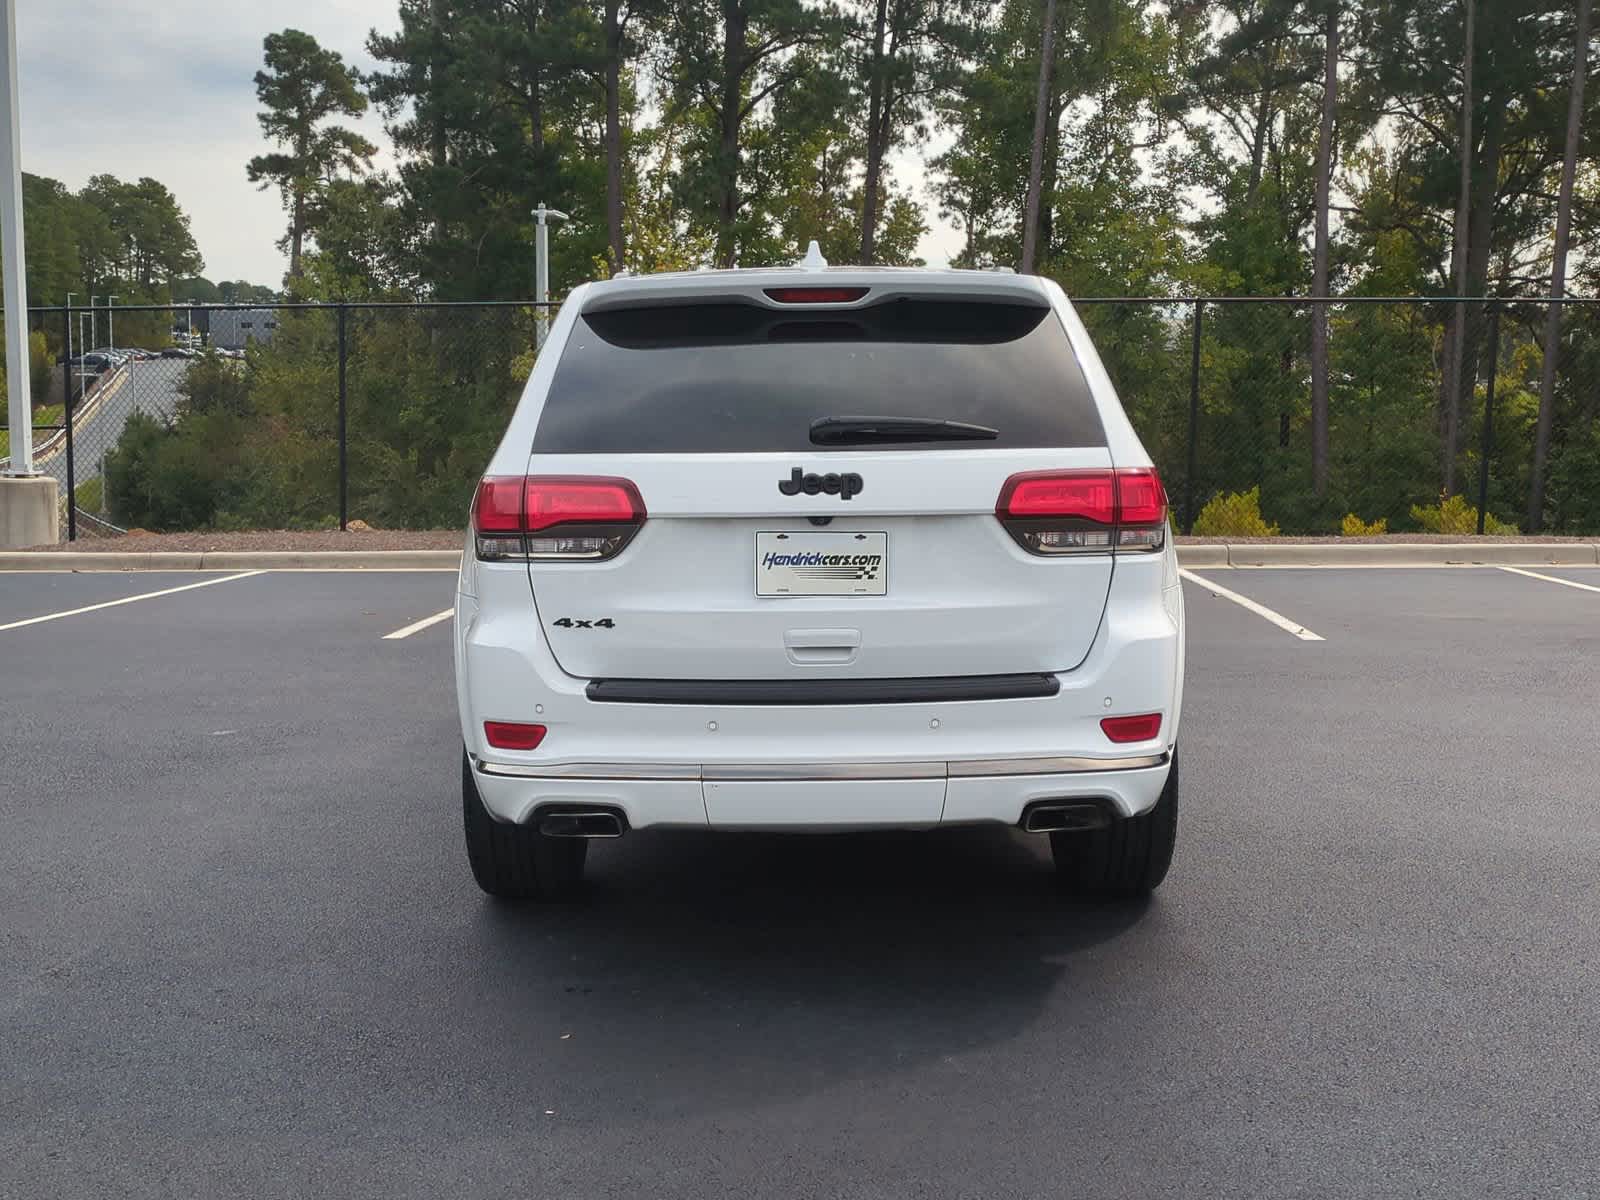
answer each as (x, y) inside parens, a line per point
(1085, 512)
(1140, 728)
(516, 518)
(815, 295)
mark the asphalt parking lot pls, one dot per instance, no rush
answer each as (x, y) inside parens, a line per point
(243, 954)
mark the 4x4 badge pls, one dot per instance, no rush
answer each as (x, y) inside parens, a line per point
(842, 486)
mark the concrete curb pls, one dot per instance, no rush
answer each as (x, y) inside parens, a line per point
(230, 560)
(1397, 554)
(325, 560)
(1221, 555)
(1203, 556)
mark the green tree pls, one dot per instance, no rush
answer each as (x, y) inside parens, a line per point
(302, 87)
(356, 230)
(493, 112)
(1522, 69)
(237, 291)
(150, 242)
(902, 53)
(196, 289)
(721, 62)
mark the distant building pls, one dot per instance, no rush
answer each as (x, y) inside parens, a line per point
(235, 328)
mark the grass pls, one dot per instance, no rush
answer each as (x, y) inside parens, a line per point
(90, 495)
(49, 414)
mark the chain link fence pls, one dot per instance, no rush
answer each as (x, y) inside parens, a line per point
(314, 416)
(276, 416)
(1220, 391)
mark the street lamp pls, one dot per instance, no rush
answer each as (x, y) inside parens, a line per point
(111, 329)
(94, 336)
(541, 269)
(22, 522)
(83, 367)
(70, 295)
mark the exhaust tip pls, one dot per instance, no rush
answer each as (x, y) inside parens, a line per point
(595, 823)
(1065, 816)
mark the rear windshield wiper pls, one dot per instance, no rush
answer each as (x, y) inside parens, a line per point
(855, 431)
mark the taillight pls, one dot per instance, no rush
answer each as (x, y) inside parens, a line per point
(1097, 511)
(517, 518)
(1140, 728)
(1141, 511)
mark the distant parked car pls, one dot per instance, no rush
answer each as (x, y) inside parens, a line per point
(175, 352)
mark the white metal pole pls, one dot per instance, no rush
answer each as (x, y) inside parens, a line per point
(20, 407)
(94, 332)
(541, 268)
(541, 274)
(111, 329)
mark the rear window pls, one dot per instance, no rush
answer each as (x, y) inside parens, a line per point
(727, 377)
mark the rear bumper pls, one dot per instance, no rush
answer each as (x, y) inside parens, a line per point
(820, 796)
(840, 765)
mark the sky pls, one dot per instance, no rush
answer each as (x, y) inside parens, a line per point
(165, 88)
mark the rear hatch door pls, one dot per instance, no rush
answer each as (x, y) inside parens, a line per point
(821, 485)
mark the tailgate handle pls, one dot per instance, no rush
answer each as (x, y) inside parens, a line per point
(825, 646)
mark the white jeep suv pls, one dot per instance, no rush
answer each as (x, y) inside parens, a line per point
(819, 549)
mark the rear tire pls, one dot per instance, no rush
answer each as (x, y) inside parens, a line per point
(1128, 858)
(516, 862)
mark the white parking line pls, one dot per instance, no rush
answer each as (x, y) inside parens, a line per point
(1261, 610)
(72, 612)
(419, 626)
(1572, 583)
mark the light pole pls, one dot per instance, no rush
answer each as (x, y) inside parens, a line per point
(111, 329)
(94, 334)
(70, 295)
(15, 281)
(541, 268)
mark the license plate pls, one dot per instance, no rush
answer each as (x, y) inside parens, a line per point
(822, 564)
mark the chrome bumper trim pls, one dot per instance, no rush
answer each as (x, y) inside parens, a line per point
(722, 773)
(590, 770)
(1052, 766)
(779, 772)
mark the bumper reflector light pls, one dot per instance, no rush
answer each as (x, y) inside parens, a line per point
(513, 735)
(1140, 728)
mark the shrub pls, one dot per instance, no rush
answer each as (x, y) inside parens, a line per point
(1235, 514)
(215, 384)
(39, 366)
(1454, 515)
(129, 467)
(175, 476)
(90, 496)
(1354, 526)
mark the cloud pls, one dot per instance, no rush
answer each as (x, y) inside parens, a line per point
(165, 88)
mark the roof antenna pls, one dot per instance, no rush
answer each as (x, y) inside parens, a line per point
(813, 261)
